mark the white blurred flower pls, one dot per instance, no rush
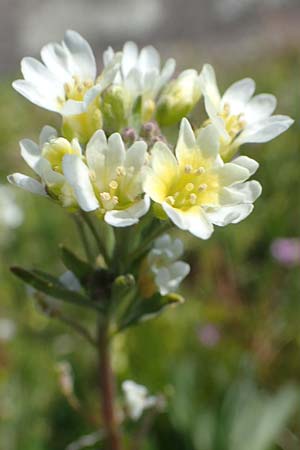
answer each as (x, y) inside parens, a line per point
(238, 116)
(114, 184)
(195, 188)
(141, 73)
(7, 329)
(137, 399)
(66, 80)
(163, 261)
(11, 214)
(46, 159)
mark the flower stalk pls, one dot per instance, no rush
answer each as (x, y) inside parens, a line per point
(107, 390)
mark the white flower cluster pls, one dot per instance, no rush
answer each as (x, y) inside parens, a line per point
(90, 167)
(137, 399)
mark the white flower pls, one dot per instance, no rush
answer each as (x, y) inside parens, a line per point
(196, 189)
(178, 98)
(137, 399)
(66, 80)
(238, 116)
(162, 259)
(114, 184)
(141, 73)
(11, 214)
(46, 159)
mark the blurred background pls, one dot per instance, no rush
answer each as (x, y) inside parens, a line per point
(228, 361)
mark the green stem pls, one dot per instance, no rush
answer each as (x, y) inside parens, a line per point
(83, 238)
(107, 391)
(96, 236)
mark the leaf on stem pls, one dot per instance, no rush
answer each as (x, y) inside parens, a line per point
(80, 268)
(51, 286)
(145, 309)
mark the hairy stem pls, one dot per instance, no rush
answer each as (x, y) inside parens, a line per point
(107, 391)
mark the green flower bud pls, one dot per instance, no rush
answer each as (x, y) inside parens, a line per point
(179, 98)
(115, 107)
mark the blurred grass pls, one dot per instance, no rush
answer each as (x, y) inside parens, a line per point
(235, 286)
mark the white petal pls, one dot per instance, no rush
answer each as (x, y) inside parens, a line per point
(135, 155)
(27, 183)
(30, 152)
(130, 55)
(193, 220)
(232, 173)
(250, 190)
(229, 214)
(238, 95)
(208, 141)
(129, 216)
(133, 82)
(259, 107)
(57, 59)
(42, 98)
(163, 162)
(149, 59)
(265, 130)
(83, 60)
(72, 108)
(116, 154)
(77, 175)
(47, 134)
(95, 152)
(166, 74)
(209, 87)
(39, 75)
(247, 163)
(186, 141)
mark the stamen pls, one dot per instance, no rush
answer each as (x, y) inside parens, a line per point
(193, 198)
(171, 199)
(105, 196)
(115, 200)
(202, 187)
(189, 187)
(226, 109)
(200, 171)
(188, 168)
(113, 184)
(120, 171)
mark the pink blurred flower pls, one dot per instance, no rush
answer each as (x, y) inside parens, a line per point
(209, 335)
(286, 251)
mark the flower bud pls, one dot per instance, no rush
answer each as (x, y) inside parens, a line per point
(83, 126)
(115, 107)
(179, 98)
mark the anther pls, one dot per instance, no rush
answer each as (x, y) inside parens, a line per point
(200, 171)
(188, 168)
(113, 184)
(171, 199)
(120, 171)
(189, 187)
(193, 198)
(202, 187)
(105, 196)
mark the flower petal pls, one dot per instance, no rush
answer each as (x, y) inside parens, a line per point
(47, 134)
(27, 183)
(265, 130)
(232, 173)
(77, 175)
(209, 87)
(129, 216)
(247, 163)
(149, 59)
(208, 141)
(130, 56)
(83, 61)
(259, 107)
(37, 96)
(56, 58)
(229, 214)
(39, 75)
(30, 152)
(163, 162)
(193, 220)
(238, 95)
(250, 190)
(135, 155)
(186, 142)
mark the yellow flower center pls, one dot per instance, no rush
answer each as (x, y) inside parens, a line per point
(193, 186)
(55, 150)
(76, 89)
(234, 124)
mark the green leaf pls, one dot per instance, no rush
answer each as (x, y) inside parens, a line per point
(50, 285)
(145, 309)
(80, 268)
